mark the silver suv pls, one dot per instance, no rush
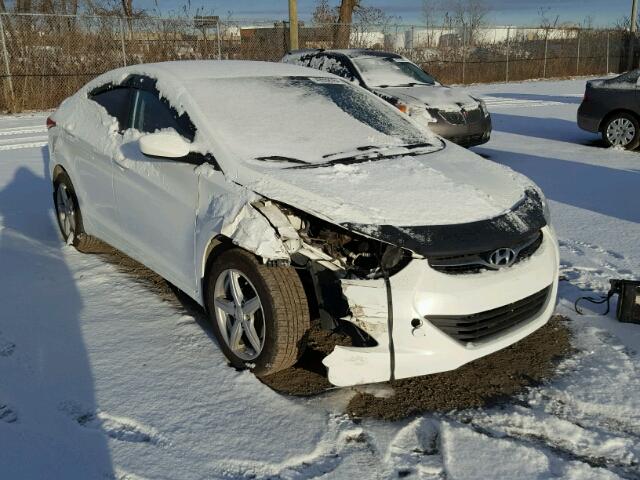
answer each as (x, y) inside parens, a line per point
(447, 112)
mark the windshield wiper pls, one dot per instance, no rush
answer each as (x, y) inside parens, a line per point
(280, 158)
(364, 148)
(368, 151)
(408, 150)
(411, 84)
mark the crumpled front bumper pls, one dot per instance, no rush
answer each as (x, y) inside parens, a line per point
(419, 291)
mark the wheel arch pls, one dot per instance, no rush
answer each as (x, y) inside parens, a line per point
(57, 170)
(614, 112)
(215, 246)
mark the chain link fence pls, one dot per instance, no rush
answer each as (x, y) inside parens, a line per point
(46, 58)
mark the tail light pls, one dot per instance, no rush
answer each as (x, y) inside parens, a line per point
(50, 123)
(586, 96)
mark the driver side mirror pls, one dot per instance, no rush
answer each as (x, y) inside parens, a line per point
(164, 145)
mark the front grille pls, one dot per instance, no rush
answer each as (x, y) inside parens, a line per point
(474, 116)
(478, 262)
(483, 326)
(461, 117)
(454, 118)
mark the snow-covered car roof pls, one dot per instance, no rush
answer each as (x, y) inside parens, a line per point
(349, 52)
(209, 69)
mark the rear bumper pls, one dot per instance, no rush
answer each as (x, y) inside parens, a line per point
(588, 120)
(417, 292)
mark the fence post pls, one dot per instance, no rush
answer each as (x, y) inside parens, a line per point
(546, 46)
(124, 52)
(508, 45)
(218, 38)
(464, 54)
(608, 34)
(412, 40)
(5, 55)
(578, 56)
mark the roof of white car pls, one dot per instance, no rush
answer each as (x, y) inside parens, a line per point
(205, 69)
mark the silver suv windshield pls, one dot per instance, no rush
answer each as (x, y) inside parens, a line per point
(391, 72)
(283, 121)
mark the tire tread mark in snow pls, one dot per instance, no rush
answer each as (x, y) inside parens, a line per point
(7, 414)
(117, 428)
(6, 347)
(627, 472)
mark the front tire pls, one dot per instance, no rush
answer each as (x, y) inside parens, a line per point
(259, 314)
(622, 130)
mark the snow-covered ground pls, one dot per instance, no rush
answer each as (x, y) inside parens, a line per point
(101, 378)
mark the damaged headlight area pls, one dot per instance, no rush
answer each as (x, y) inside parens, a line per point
(334, 247)
(359, 256)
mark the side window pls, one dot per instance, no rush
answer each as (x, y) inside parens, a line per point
(337, 67)
(150, 113)
(116, 103)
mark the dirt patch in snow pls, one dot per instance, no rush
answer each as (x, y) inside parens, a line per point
(309, 375)
(489, 380)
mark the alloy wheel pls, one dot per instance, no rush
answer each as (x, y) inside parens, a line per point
(239, 314)
(620, 132)
(65, 210)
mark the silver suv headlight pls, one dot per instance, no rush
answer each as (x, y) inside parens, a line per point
(416, 111)
(483, 108)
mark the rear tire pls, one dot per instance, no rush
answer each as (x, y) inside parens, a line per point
(69, 217)
(259, 314)
(621, 130)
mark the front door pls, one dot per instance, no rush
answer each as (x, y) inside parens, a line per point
(157, 198)
(94, 165)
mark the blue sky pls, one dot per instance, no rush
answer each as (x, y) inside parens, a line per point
(524, 12)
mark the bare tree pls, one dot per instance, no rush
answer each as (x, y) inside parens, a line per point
(545, 20)
(345, 17)
(23, 5)
(323, 13)
(432, 16)
(127, 8)
(471, 16)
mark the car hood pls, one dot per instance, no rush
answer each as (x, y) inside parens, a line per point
(436, 96)
(450, 186)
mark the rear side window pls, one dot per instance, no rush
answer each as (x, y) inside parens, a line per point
(150, 114)
(116, 103)
(337, 67)
(629, 77)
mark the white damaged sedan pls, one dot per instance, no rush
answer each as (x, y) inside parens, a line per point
(277, 196)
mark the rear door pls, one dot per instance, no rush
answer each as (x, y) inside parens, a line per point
(156, 198)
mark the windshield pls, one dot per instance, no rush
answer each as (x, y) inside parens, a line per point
(391, 72)
(284, 121)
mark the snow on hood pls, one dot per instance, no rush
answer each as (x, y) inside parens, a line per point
(446, 187)
(435, 96)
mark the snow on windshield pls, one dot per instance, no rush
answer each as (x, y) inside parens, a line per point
(379, 71)
(300, 119)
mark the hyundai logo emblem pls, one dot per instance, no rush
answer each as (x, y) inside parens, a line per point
(503, 257)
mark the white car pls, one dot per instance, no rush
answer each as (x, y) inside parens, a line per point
(277, 196)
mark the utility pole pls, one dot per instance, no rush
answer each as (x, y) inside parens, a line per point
(293, 24)
(632, 29)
